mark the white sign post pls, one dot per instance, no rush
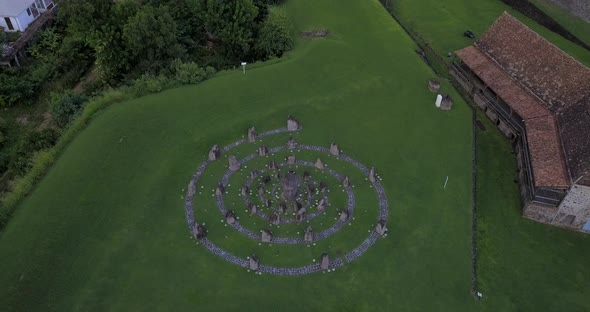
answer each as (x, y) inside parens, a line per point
(244, 67)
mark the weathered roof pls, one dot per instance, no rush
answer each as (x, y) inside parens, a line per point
(521, 101)
(549, 89)
(13, 8)
(545, 150)
(574, 128)
(554, 76)
(542, 134)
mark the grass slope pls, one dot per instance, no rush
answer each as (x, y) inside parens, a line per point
(105, 229)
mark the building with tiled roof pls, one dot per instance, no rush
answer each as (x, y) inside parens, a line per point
(539, 97)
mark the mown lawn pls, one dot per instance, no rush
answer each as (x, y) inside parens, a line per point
(105, 229)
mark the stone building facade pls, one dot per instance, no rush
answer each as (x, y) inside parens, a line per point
(538, 97)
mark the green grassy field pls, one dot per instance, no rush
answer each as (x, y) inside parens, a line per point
(444, 22)
(573, 24)
(105, 229)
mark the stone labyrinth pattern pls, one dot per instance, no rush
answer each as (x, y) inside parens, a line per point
(296, 196)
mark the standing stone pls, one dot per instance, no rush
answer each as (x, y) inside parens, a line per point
(252, 208)
(447, 103)
(252, 135)
(230, 217)
(282, 207)
(253, 174)
(301, 211)
(261, 191)
(262, 151)
(308, 237)
(273, 165)
(292, 124)
(319, 164)
(346, 182)
(291, 160)
(301, 217)
(267, 203)
(275, 219)
(245, 191)
(234, 163)
(266, 236)
(323, 187)
(291, 144)
(253, 263)
(214, 153)
(381, 227)
(219, 190)
(323, 204)
(199, 231)
(372, 175)
(334, 149)
(276, 174)
(433, 85)
(325, 262)
(344, 215)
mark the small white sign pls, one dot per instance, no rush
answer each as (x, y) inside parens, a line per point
(244, 63)
(439, 99)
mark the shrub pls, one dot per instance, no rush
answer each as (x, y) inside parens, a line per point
(274, 37)
(147, 84)
(190, 73)
(65, 108)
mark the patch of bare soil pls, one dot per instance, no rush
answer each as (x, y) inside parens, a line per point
(317, 33)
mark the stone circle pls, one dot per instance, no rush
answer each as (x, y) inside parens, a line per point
(294, 201)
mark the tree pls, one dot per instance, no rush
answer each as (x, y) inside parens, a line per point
(232, 23)
(274, 38)
(151, 38)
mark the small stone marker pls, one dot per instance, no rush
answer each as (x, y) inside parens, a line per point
(273, 165)
(267, 203)
(291, 144)
(433, 85)
(291, 160)
(323, 204)
(252, 135)
(252, 208)
(253, 263)
(244, 192)
(301, 217)
(275, 218)
(325, 262)
(219, 190)
(262, 151)
(319, 164)
(234, 163)
(344, 215)
(308, 237)
(447, 103)
(292, 124)
(323, 187)
(381, 227)
(199, 231)
(301, 210)
(214, 153)
(372, 175)
(261, 191)
(346, 182)
(276, 174)
(230, 217)
(334, 149)
(282, 207)
(253, 174)
(266, 236)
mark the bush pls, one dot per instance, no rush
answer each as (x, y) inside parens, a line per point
(65, 108)
(274, 38)
(147, 84)
(191, 73)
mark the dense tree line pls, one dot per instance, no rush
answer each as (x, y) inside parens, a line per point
(145, 44)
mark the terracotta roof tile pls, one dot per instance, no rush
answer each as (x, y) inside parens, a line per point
(545, 151)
